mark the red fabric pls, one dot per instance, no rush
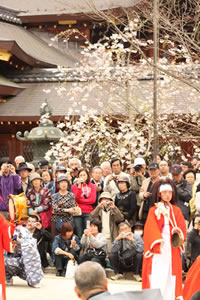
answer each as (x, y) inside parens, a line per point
(192, 283)
(6, 232)
(85, 203)
(152, 234)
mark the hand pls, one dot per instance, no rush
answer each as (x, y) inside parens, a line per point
(98, 188)
(38, 225)
(35, 212)
(112, 205)
(139, 174)
(71, 210)
(102, 203)
(71, 256)
(87, 232)
(12, 169)
(120, 236)
(110, 178)
(69, 177)
(146, 195)
(73, 244)
(130, 237)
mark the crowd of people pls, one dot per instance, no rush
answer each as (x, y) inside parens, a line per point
(122, 219)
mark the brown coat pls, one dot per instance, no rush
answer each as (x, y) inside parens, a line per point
(115, 218)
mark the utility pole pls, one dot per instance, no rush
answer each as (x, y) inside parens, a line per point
(155, 75)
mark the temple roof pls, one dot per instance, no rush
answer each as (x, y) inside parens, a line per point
(9, 88)
(46, 7)
(30, 49)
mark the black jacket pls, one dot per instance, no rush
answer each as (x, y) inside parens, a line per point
(42, 236)
(184, 195)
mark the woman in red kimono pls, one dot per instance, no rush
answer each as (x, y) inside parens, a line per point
(6, 232)
(162, 265)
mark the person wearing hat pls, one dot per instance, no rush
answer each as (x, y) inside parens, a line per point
(53, 186)
(144, 194)
(109, 215)
(39, 200)
(164, 235)
(63, 204)
(126, 200)
(43, 165)
(184, 191)
(23, 171)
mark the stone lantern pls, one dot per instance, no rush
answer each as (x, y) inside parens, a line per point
(42, 135)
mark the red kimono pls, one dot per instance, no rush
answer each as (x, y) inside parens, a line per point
(192, 283)
(152, 242)
(6, 232)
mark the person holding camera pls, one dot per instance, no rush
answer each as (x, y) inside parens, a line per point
(10, 183)
(85, 196)
(126, 253)
(109, 215)
(97, 179)
(74, 166)
(110, 183)
(194, 239)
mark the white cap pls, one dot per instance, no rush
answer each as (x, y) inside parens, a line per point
(139, 161)
(165, 187)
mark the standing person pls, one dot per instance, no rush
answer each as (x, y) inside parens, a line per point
(110, 183)
(85, 196)
(24, 171)
(162, 265)
(10, 183)
(145, 195)
(190, 176)
(6, 229)
(109, 215)
(184, 191)
(74, 166)
(43, 165)
(39, 200)
(19, 159)
(63, 204)
(47, 178)
(164, 169)
(97, 179)
(106, 168)
(126, 200)
(53, 186)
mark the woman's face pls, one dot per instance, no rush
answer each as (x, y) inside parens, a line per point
(46, 177)
(166, 196)
(63, 185)
(83, 176)
(122, 186)
(36, 183)
(94, 229)
(68, 235)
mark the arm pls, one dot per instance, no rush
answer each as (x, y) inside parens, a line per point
(185, 192)
(91, 198)
(99, 241)
(192, 235)
(46, 201)
(116, 214)
(95, 212)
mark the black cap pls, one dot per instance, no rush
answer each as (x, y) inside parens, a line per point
(153, 165)
(176, 169)
(43, 163)
(23, 166)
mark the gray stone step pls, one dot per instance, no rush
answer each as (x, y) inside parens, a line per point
(109, 272)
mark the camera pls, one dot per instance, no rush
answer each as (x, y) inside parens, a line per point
(125, 233)
(81, 180)
(107, 203)
(138, 168)
(75, 169)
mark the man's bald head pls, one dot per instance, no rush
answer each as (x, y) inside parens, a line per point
(90, 276)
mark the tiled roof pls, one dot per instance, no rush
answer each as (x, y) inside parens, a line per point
(9, 15)
(5, 82)
(27, 103)
(52, 7)
(34, 47)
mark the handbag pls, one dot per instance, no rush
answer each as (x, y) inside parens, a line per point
(71, 268)
(98, 252)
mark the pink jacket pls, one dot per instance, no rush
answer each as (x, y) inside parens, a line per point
(85, 196)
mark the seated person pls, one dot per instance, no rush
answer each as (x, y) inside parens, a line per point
(138, 229)
(25, 261)
(94, 244)
(126, 253)
(109, 215)
(194, 239)
(66, 246)
(41, 235)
